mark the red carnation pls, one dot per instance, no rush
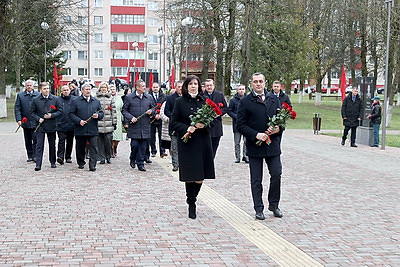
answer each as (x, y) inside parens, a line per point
(286, 106)
(159, 105)
(24, 120)
(220, 105)
(52, 107)
(293, 114)
(109, 107)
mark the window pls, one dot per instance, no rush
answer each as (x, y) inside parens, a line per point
(82, 38)
(127, 2)
(67, 54)
(124, 37)
(66, 20)
(82, 20)
(119, 71)
(98, 54)
(68, 71)
(82, 71)
(98, 72)
(98, 20)
(83, 3)
(98, 37)
(128, 19)
(152, 6)
(153, 56)
(153, 22)
(82, 54)
(152, 39)
(98, 3)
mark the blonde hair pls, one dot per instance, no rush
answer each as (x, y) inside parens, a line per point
(103, 84)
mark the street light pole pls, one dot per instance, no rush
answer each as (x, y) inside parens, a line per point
(135, 48)
(186, 22)
(389, 4)
(45, 26)
(145, 41)
(160, 35)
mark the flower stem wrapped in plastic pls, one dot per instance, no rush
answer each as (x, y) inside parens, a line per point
(208, 112)
(280, 119)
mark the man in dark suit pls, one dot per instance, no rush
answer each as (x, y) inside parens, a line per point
(277, 90)
(85, 111)
(22, 109)
(45, 110)
(254, 113)
(217, 97)
(169, 107)
(351, 115)
(156, 125)
(135, 105)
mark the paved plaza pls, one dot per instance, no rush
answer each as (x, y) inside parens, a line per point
(341, 207)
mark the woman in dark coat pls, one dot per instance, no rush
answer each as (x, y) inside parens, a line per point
(196, 160)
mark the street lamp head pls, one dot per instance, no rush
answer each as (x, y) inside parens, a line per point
(160, 32)
(187, 21)
(145, 39)
(135, 45)
(44, 25)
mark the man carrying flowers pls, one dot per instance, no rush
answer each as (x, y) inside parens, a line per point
(254, 115)
(45, 110)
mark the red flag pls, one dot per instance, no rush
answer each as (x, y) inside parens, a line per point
(56, 81)
(151, 79)
(343, 83)
(172, 78)
(136, 77)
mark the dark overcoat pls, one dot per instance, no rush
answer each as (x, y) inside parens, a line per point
(169, 107)
(283, 98)
(233, 110)
(351, 110)
(64, 123)
(376, 114)
(196, 159)
(23, 106)
(81, 109)
(41, 106)
(134, 106)
(217, 97)
(253, 117)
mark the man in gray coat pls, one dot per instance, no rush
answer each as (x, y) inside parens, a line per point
(137, 109)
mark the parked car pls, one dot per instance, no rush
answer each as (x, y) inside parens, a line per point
(334, 89)
(124, 84)
(380, 90)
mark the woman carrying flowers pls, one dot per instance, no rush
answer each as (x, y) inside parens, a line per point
(196, 160)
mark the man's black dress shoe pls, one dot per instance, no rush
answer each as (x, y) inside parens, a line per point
(60, 160)
(108, 161)
(343, 142)
(141, 168)
(68, 161)
(53, 166)
(353, 145)
(133, 164)
(80, 166)
(163, 155)
(175, 168)
(237, 161)
(245, 160)
(147, 161)
(277, 212)
(153, 155)
(92, 169)
(260, 215)
(29, 160)
(37, 168)
(102, 162)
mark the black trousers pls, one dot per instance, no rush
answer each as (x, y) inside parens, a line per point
(215, 144)
(138, 150)
(352, 134)
(80, 144)
(256, 176)
(30, 142)
(51, 139)
(65, 144)
(104, 145)
(153, 129)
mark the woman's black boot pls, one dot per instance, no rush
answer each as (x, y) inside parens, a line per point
(191, 199)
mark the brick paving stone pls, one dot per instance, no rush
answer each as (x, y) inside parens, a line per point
(340, 207)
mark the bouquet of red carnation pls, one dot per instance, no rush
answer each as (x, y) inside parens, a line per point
(52, 107)
(158, 106)
(280, 119)
(24, 120)
(205, 115)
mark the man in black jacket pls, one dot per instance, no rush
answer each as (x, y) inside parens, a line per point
(255, 111)
(232, 111)
(85, 111)
(156, 125)
(217, 97)
(22, 109)
(45, 110)
(277, 90)
(351, 115)
(65, 127)
(169, 107)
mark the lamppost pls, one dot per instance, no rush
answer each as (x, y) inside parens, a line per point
(145, 41)
(160, 34)
(185, 23)
(45, 26)
(135, 48)
(134, 45)
(389, 4)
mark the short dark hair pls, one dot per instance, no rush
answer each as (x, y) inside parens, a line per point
(186, 83)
